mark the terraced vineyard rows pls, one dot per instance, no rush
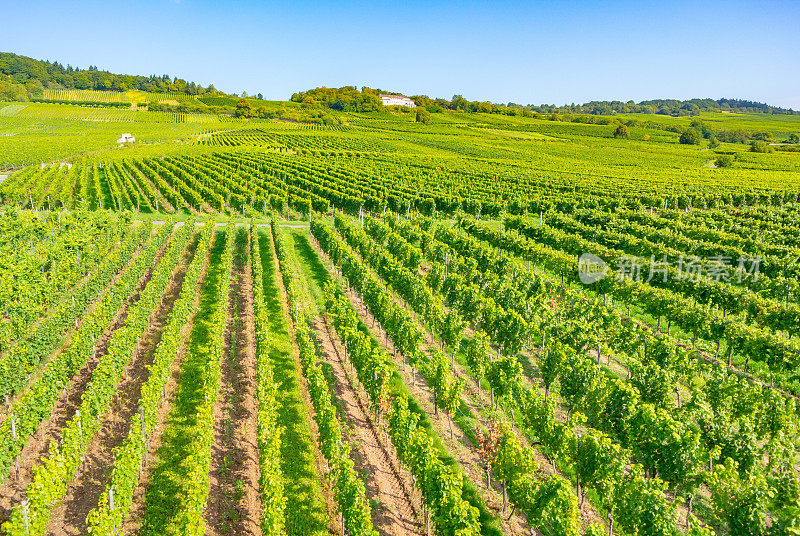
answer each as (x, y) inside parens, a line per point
(459, 365)
(484, 325)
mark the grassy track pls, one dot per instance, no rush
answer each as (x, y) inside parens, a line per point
(305, 509)
(311, 267)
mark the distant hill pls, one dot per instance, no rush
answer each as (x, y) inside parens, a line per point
(25, 78)
(37, 75)
(350, 99)
(672, 107)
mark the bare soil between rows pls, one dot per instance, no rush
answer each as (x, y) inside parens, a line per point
(132, 523)
(396, 510)
(234, 503)
(69, 517)
(12, 490)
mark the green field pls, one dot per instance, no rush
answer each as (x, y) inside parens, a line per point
(369, 325)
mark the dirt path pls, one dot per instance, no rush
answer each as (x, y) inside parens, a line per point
(69, 517)
(396, 510)
(38, 445)
(234, 505)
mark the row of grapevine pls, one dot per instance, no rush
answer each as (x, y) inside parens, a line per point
(128, 458)
(721, 290)
(636, 426)
(36, 403)
(146, 167)
(148, 193)
(349, 488)
(718, 229)
(545, 499)
(335, 169)
(54, 475)
(273, 500)
(635, 231)
(564, 443)
(49, 263)
(198, 462)
(441, 484)
(759, 345)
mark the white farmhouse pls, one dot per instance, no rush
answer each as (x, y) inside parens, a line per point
(397, 100)
(125, 138)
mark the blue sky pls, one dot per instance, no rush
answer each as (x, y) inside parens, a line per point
(523, 52)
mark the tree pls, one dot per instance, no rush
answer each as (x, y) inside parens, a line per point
(763, 135)
(794, 138)
(243, 108)
(759, 146)
(423, 116)
(12, 92)
(724, 161)
(690, 137)
(82, 80)
(458, 103)
(622, 132)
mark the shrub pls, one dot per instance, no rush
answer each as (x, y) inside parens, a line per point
(622, 132)
(724, 161)
(760, 147)
(690, 137)
(762, 135)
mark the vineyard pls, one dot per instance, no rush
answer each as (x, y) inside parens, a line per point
(485, 325)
